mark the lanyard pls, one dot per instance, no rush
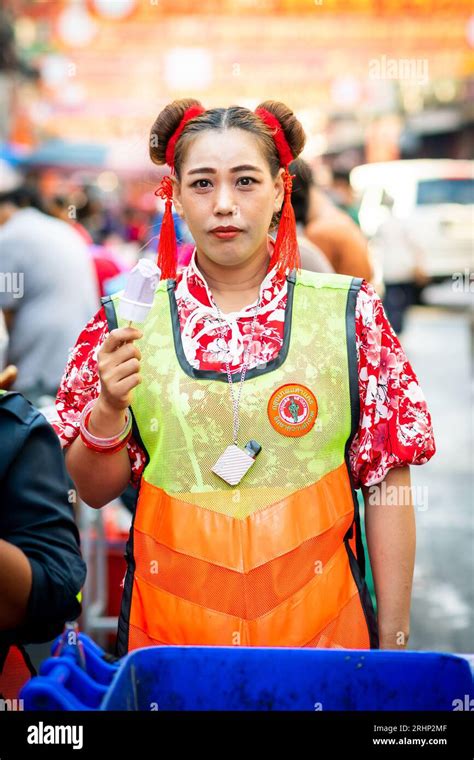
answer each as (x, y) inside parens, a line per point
(236, 402)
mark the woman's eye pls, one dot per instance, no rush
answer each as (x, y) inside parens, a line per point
(197, 182)
(248, 181)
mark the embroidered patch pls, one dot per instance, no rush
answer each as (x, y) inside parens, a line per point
(292, 410)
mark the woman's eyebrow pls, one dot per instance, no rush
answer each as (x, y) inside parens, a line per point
(210, 170)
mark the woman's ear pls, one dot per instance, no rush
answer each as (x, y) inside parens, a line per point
(279, 187)
(177, 196)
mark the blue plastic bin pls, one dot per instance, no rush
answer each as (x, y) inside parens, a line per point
(248, 678)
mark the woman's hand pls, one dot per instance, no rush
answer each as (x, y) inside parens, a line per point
(118, 364)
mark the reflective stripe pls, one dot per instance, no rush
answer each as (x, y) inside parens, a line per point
(292, 623)
(242, 545)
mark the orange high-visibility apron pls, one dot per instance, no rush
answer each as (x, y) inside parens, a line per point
(276, 560)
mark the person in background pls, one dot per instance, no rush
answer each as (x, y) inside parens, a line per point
(330, 229)
(342, 194)
(106, 264)
(108, 267)
(312, 258)
(59, 206)
(99, 221)
(48, 290)
(41, 568)
(403, 262)
(133, 225)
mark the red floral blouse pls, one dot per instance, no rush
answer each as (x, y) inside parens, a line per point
(394, 427)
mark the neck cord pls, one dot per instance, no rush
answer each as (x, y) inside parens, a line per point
(236, 402)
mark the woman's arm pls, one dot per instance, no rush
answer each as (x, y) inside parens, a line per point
(99, 477)
(391, 540)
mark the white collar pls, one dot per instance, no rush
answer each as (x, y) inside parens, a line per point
(192, 269)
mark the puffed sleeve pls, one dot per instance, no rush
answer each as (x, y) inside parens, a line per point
(395, 427)
(80, 384)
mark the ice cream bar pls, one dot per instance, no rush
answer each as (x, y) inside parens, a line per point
(137, 298)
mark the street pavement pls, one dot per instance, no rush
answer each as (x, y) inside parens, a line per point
(438, 343)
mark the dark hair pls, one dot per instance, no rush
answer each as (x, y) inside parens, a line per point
(24, 196)
(301, 186)
(341, 174)
(233, 117)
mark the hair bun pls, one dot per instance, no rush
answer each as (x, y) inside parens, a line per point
(291, 126)
(165, 125)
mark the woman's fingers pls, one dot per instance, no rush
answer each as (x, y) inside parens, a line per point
(118, 363)
(122, 354)
(109, 360)
(121, 335)
(130, 367)
(123, 387)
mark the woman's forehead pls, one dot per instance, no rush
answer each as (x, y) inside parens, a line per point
(224, 151)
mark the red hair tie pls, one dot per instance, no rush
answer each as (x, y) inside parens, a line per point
(286, 253)
(284, 150)
(167, 248)
(189, 113)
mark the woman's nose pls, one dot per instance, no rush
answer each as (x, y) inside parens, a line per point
(224, 200)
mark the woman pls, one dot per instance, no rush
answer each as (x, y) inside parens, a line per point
(246, 529)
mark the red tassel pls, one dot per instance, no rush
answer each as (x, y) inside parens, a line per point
(286, 252)
(167, 248)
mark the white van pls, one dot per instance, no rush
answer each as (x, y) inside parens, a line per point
(435, 197)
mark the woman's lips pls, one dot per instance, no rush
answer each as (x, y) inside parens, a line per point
(226, 235)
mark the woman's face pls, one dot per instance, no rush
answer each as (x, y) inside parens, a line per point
(225, 180)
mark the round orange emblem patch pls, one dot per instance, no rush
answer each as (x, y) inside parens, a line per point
(292, 410)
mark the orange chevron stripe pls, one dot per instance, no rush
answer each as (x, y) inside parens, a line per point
(347, 631)
(245, 595)
(242, 545)
(162, 616)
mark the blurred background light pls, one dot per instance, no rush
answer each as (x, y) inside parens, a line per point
(76, 27)
(188, 68)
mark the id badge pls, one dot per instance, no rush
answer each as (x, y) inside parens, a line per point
(235, 462)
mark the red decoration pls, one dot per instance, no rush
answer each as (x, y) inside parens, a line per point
(284, 150)
(167, 248)
(286, 252)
